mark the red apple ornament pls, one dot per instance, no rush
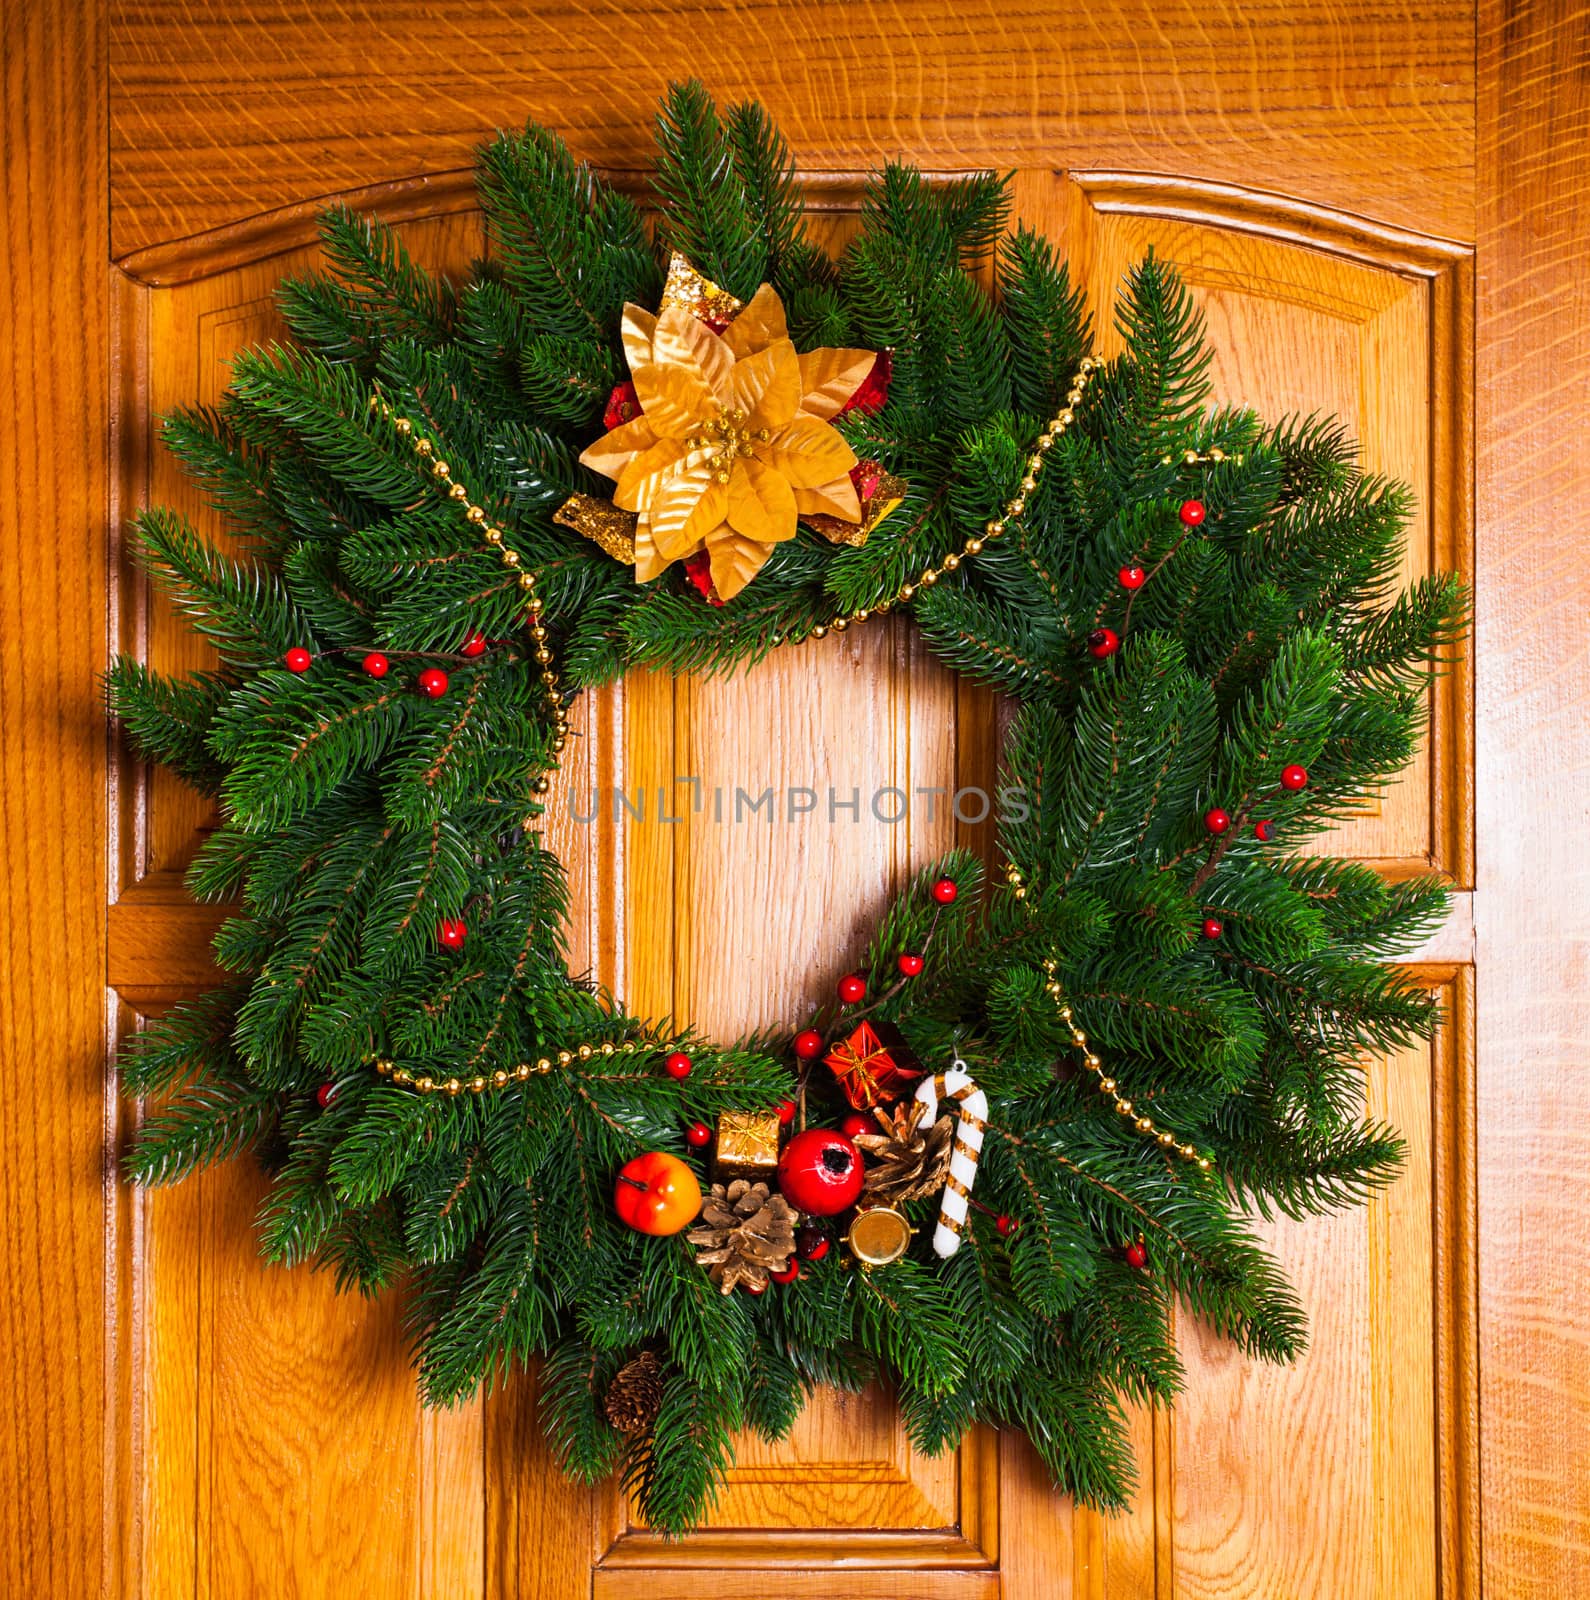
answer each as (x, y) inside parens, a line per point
(657, 1193)
(820, 1172)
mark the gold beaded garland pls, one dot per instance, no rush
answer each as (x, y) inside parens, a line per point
(404, 1079)
(1140, 1120)
(994, 528)
(476, 516)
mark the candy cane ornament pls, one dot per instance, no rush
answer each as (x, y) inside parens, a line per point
(972, 1114)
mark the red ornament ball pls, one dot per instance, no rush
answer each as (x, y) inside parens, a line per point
(433, 682)
(855, 1125)
(376, 664)
(677, 1065)
(911, 966)
(698, 1134)
(786, 1112)
(945, 891)
(325, 1094)
(474, 645)
(808, 1044)
(1136, 1256)
(1264, 831)
(1294, 777)
(1132, 577)
(657, 1193)
(1191, 513)
(1103, 642)
(812, 1244)
(1216, 820)
(787, 1274)
(450, 933)
(820, 1172)
(852, 989)
(297, 659)
(1213, 927)
(1006, 1225)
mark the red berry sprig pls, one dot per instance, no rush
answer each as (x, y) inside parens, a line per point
(474, 645)
(1294, 778)
(852, 988)
(910, 966)
(698, 1134)
(1132, 578)
(1213, 927)
(297, 659)
(376, 664)
(325, 1094)
(1216, 820)
(1137, 1255)
(1192, 513)
(786, 1112)
(945, 891)
(1103, 643)
(1264, 830)
(433, 683)
(677, 1066)
(855, 1125)
(808, 1044)
(451, 933)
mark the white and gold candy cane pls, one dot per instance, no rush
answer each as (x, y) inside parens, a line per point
(972, 1117)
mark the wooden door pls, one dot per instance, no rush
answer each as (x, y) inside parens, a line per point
(1383, 217)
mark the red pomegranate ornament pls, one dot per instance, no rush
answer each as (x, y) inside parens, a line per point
(657, 1193)
(820, 1172)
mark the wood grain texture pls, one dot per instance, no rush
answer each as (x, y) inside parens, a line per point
(220, 113)
(1533, 897)
(61, 1532)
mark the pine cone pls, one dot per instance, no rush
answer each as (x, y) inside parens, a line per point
(906, 1164)
(634, 1397)
(743, 1234)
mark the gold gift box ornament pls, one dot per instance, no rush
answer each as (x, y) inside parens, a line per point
(747, 1145)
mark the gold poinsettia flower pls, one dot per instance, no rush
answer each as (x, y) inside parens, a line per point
(734, 441)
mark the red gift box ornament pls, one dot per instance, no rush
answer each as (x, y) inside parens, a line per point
(874, 1065)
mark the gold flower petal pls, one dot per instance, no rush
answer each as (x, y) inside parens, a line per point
(766, 381)
(733, 559)
(761, 502)
(684, 342)
(614, 451)
(674, 505)
(674, 399)
(645, 476)
(809, 453)
(712, 509)
(829, 377)
(638, 329)
(649, 563)
(836, 499)
(760, 324)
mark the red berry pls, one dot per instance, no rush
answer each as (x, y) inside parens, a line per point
(376, 664)
(1005, 1224)
(786, 1274)
(1132, 577)
(433, 681)
(786, 1112)
(698, 1134)
(677, 1065)
(945, 891)
(1213, 927)
(297, 659)
(754, 1288)
(1136, 1256)
(1264, 831)
(1192, 512)
(812, 1243)
(1216, 820)
(450, 933)
(474, 645)
(325, 1094)
(808, 1044)
(852, 989)
(855, 1125)
(1294, 777)
(910, 966)
(1103, 642)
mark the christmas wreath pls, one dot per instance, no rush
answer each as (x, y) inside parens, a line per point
(1040, 1111)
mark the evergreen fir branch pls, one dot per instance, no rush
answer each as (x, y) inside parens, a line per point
(167, 719)
(210, 1120)
(1047, 323)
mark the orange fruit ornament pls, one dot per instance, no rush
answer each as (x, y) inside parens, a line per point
(656, 1193)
